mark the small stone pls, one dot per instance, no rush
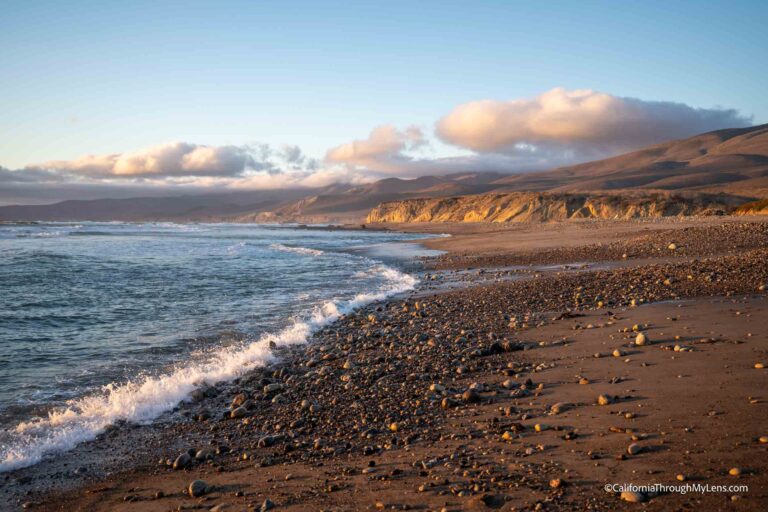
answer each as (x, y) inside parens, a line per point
(182, 461)
(448, 403)
(540, 427)
(672, 247)
(617, 353)
(680, 478)
(558, 408)
(267, 505)
(634, 449)
(470, 396)
(633, 497)
(272, 388)
(240, 412)
(393, 427)
(604, 400)
(556, 483)
(641, 339)
(583, 381)
(763, 439)
(197, 488)
(734, 471)
(759, 366)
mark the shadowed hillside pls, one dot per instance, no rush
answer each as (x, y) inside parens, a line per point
(733, 161)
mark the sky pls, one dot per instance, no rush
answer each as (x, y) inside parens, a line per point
(106, 98)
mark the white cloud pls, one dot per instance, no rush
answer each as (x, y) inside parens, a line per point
(579, 123)
(383, 150)
(171, 159)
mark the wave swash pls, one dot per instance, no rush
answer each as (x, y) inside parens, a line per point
(143, 400)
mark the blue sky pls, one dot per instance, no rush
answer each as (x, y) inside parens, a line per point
(100, 77)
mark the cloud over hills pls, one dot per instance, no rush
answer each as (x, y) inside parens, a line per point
(581, 122)
(558, 127)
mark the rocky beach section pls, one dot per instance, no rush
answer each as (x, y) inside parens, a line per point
(527, 393)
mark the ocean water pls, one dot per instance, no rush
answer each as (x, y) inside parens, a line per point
(103, 322)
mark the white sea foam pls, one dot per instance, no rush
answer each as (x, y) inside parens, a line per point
(297, 250)
(143, 400)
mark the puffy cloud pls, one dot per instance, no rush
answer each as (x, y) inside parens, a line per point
(172, 168)
(579, 123)
(171, 159)
(383, 150)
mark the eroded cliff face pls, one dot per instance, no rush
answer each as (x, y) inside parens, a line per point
(545, 207)
(759, 207)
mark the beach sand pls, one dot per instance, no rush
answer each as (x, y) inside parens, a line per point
(432, 401)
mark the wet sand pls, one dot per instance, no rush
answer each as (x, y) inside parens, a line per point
(432, 401)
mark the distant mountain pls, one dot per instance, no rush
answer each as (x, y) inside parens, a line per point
(732, 162)
(208, 207)
(335, 203)
(353, 204)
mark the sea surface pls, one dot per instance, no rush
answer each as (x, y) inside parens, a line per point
(109, 322)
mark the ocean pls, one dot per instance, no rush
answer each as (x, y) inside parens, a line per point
(109, 322)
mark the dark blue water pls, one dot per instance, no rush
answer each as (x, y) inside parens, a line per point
(101, 322)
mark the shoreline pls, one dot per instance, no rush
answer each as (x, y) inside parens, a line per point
(392, 361)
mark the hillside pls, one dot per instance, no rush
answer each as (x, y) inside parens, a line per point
(547, 206)
(732, 161)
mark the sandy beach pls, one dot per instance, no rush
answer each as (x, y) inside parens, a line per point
(534, 366)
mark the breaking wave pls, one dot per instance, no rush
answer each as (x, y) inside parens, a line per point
(144, 399)
(297, 250)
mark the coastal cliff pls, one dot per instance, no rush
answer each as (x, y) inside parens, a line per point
(759, 207)
(545, 207)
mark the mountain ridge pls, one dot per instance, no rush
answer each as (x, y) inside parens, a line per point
(731, 161)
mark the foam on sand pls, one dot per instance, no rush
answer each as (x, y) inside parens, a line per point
(144, 399)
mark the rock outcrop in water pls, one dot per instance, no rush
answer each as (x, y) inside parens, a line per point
(544, 207)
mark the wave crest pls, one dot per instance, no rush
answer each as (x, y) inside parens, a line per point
(144, 399)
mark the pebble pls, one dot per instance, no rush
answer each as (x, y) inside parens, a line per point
(604, 400)
(633, 497)
(558, 408)
(470, 396)
(267, 505)
(182, 461)
(641, 339)
(240, 412)
(634, 449)
(197, 488)
(734, 471)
